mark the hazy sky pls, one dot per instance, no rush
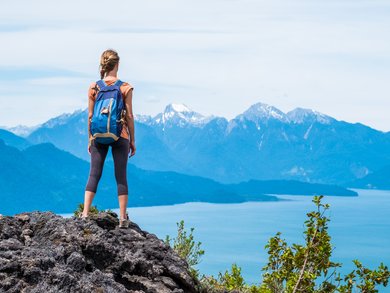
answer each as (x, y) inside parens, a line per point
(218, 57)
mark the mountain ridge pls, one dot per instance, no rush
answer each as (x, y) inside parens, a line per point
(262, 110)
(263, 144)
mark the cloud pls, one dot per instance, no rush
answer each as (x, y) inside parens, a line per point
(218, 56)
(19, 73)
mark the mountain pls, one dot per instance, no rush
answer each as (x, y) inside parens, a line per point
(44, 252)
(262, 143)
(301, 115)
(14, 140)
(67, 132)
(48, 179)
(21, 130)
(178, 115)
(262, 113)
(377, 180)
(36, 178)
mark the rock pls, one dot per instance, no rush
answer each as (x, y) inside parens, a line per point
(23, 217)
(10, 244)
(43, 252)
(76, 261)
(27, 232)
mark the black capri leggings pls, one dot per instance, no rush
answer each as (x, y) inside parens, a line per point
(120, 152)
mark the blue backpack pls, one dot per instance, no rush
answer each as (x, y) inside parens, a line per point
(106, 123)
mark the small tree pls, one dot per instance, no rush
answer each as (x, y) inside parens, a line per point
(308, 268)
(232, 280)
(186, 247)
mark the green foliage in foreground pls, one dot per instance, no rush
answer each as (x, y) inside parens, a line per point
(92, 211)
(186, 247)
(297, 268)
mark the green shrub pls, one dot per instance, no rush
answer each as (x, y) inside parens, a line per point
(229, 281)
(186, 247)
(308, 268)
(92, 211)
(232, 280)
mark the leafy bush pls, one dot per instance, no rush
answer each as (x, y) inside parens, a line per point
(232, 280)
(186, 247)
(229, 281)
(92, 211)
(308, 267)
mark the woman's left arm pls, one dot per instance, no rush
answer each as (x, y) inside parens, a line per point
(130, 120)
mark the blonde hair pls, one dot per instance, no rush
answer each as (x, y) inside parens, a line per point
(108, 61)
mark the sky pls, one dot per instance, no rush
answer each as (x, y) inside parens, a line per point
(218, 56)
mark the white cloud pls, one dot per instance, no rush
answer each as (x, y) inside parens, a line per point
(218, 57)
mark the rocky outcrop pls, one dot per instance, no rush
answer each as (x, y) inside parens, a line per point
(44, 252)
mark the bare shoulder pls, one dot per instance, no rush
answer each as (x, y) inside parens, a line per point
(92, 90)
(92, 85)
(127, 85)
(126, 88)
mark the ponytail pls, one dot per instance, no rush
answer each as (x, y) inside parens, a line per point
(108, 61)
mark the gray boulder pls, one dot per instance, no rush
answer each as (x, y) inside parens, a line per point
(44, 252)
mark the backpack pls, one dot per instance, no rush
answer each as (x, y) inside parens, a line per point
(106, 122)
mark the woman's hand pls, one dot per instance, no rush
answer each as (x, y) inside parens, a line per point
(130, 121)
(132, 148)
(89, 145)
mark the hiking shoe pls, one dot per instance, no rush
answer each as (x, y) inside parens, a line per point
(82, 217)
(124, 223)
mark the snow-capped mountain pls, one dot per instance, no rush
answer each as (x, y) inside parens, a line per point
(261, 143)
(301, 115)
(179, 115)
(145, 119)
(21, 130)
(64, 118)
(261, 112)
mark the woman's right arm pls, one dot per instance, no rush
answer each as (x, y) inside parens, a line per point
(90, 113)
(91, 103)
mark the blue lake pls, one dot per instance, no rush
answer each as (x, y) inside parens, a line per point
(237, 233)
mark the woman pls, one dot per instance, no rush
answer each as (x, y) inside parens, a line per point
(109, 63)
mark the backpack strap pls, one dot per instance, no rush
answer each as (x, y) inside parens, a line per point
(101, 83)
(118, 83)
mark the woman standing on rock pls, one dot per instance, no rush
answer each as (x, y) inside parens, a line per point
(110, 123)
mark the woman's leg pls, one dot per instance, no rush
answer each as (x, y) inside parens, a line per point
(98, 155)
(120, 153)
(88, 198)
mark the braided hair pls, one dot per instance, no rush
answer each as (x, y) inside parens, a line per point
(108, 61)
